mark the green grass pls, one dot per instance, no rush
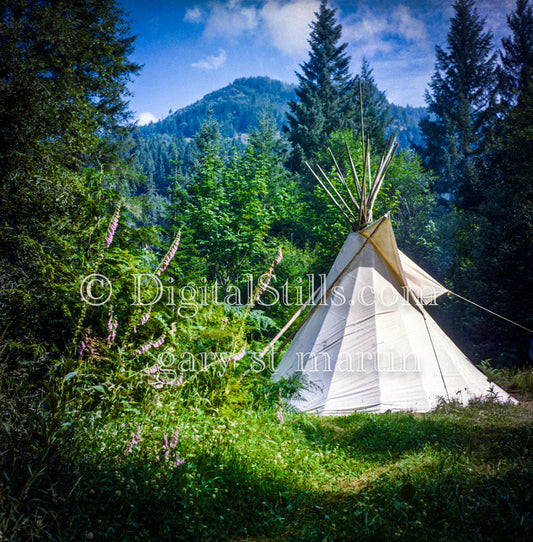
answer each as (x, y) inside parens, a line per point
(455, 474)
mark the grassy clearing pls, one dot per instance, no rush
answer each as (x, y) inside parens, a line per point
(159, 470)
(453, 474)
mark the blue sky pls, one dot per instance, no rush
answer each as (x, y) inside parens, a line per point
(191, 48)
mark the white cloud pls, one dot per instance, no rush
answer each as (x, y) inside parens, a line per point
(408, 27)
(372, 34)
(367, 32)
(230, 19)
(212, 62)
(287, 24)
(495, 12)
(146, 118)
(283, 24)
(193, 15)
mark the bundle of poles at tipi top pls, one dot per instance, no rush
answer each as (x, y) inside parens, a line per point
(358, 209)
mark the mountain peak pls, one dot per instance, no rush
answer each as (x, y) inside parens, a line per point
(236, 107)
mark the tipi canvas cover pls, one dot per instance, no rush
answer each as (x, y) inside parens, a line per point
(370, 345)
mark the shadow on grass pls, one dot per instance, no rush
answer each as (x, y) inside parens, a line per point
(211, 498)
(490, 430)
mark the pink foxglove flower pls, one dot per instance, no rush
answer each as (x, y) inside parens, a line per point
(112, 227)
(268, 275)
(279, 414)
(165, 446)
(179, 461)
(159, 342)
(174, 439)
(152, 370)
(144, 348)
(83, 345)
(110, 323)
(178, 382)
(238, 356)
(145, 317)
(264, 284)
(112, 328)
(134, 441)
(170, 254)
(114, 332)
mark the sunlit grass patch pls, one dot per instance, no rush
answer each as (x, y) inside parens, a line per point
(366, 477)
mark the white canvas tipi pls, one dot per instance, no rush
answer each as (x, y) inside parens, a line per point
(370, 345)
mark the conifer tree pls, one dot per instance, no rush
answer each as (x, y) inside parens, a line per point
(507, 238)
(63, 77)
(496, 254)
(323, 90)
(461, 91)
(376, 109)
(517, 55)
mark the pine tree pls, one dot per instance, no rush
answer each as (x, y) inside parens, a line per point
(322, 92)
(376, 109)
(507, 238)
(459, 99)
(497, 254)
(517, 55)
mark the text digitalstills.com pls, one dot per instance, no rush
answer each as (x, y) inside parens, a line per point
(148, 289)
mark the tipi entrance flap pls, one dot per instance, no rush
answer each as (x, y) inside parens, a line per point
(422, 284)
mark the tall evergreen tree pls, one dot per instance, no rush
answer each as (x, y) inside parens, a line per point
(505, 238)
(63, 75)
(460, 94)
(376, 109)
(517, 54)
(323, 90)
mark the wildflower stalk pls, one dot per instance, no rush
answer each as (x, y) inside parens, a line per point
(169, 255)
(96, 263)
(151, 344)
(112, 227)
(145, 317)
(259, 290)
(134, 441)
(83, 345)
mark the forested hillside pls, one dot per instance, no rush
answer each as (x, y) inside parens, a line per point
(165, 147)
(235, 107)
(405, 124)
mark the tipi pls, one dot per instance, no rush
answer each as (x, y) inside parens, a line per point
(368, 344)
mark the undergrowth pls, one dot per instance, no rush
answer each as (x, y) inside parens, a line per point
(164, 471)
